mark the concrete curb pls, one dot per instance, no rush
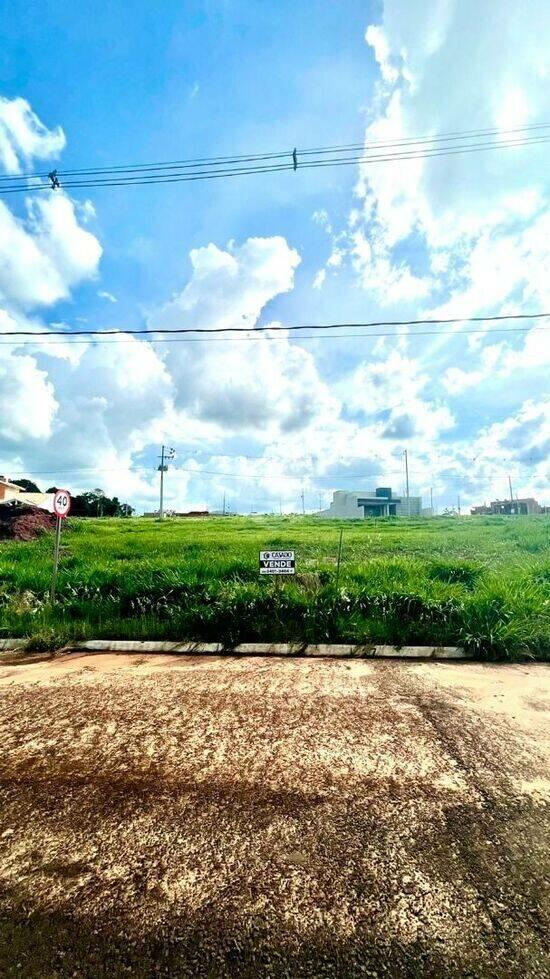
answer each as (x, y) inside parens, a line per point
(319, 650)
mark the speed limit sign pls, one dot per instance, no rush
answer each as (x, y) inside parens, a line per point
(61, 503)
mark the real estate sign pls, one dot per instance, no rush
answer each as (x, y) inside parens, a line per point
(277, 562)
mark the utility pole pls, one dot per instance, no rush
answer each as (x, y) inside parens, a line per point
(303, 504)
(223, 507)
(320, 502)
(510, 485)
(280, 507)
(405, 453)
(458, 502)
(431, 500)
(165, 454)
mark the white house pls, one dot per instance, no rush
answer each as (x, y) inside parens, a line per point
(10, 492)
(356, 505)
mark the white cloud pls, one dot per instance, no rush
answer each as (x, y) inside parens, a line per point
(27, 398)
(471, 213)
(376, 38)
(393, 386)
(241, 384)
(24, 137)
(389, 282)
(107, 296)
(319, 279)
(43, 257)
(448, 197)
(519, 439)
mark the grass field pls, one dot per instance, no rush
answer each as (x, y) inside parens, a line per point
(483, 583)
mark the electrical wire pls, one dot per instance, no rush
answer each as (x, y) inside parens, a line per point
(110, 178)
(278, 327)
(272, 339)
(253, 157)
(335, 477)
(337, 162)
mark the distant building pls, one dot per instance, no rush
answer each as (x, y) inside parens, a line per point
(371, 503)
(15, 494)
(8, 490)
(525, 506)
(177, 513)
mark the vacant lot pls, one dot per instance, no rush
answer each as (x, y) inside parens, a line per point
(483, 583)
(180, 816)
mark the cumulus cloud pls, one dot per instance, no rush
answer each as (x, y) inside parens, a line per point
(392, 388)
(476, 223)
(46, 254)
(113, 400)
(497, 361)
(24, 137)
(251, 382)
(27, 398)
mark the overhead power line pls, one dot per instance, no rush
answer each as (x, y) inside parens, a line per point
(268, 474)
(153, 331)
(258, 335)
(253, 157)
(289, 160)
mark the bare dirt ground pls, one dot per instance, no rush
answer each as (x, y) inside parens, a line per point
(187, 816)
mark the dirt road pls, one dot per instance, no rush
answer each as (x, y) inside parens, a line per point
(185, 816)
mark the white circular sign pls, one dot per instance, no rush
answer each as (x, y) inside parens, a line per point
(61, 503)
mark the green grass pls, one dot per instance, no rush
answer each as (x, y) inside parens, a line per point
(481, 582)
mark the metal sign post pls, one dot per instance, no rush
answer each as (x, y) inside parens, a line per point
(339, 556)
(61, 507)
(55, 558)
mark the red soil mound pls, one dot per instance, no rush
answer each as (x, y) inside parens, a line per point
(22, 522)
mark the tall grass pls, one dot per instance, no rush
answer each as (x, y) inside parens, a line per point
(482, 583)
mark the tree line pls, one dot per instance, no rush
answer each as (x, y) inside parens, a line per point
(91, 503)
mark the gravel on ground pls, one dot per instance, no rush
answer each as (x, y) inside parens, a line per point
(221, 816)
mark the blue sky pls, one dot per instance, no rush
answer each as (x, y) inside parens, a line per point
(459, 235)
